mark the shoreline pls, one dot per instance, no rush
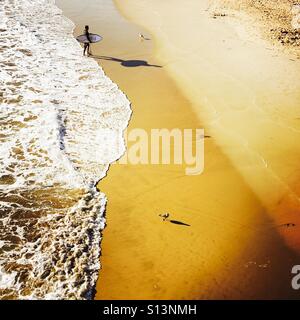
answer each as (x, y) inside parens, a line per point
(51, 213)
(140, 261)
(146, 247)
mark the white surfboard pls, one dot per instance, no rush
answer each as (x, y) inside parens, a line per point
(94, 38)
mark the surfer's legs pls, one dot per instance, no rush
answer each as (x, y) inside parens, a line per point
(86, 48)
(89, 49)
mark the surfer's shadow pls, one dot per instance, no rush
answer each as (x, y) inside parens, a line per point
(128, 63)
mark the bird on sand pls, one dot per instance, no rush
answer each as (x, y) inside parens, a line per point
(142, 37)
(165, 216)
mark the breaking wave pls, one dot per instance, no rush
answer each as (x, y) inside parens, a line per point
(61, 125)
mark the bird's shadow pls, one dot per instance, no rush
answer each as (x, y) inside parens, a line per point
(179, 223)
(128, 63)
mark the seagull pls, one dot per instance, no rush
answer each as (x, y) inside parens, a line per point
(142, 37)
(165, 216)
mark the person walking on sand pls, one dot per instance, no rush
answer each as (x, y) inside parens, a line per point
(87, 45)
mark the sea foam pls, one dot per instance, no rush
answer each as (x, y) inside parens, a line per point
(61, 125)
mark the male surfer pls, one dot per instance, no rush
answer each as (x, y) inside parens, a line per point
(87, 44)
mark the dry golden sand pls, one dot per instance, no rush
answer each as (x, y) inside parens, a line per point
(233, 248)
(273, 18)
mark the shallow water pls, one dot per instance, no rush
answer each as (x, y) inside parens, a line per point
(61, 125)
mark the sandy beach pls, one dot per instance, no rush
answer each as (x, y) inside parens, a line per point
(77, 222)
(221, 74)
(246, 92)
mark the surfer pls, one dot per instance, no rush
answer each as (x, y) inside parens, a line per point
(87, 45)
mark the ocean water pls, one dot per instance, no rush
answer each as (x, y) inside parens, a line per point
(61, 125)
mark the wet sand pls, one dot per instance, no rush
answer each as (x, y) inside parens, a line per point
(232, 248)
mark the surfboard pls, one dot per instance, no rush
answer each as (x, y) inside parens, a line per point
(94, 38)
